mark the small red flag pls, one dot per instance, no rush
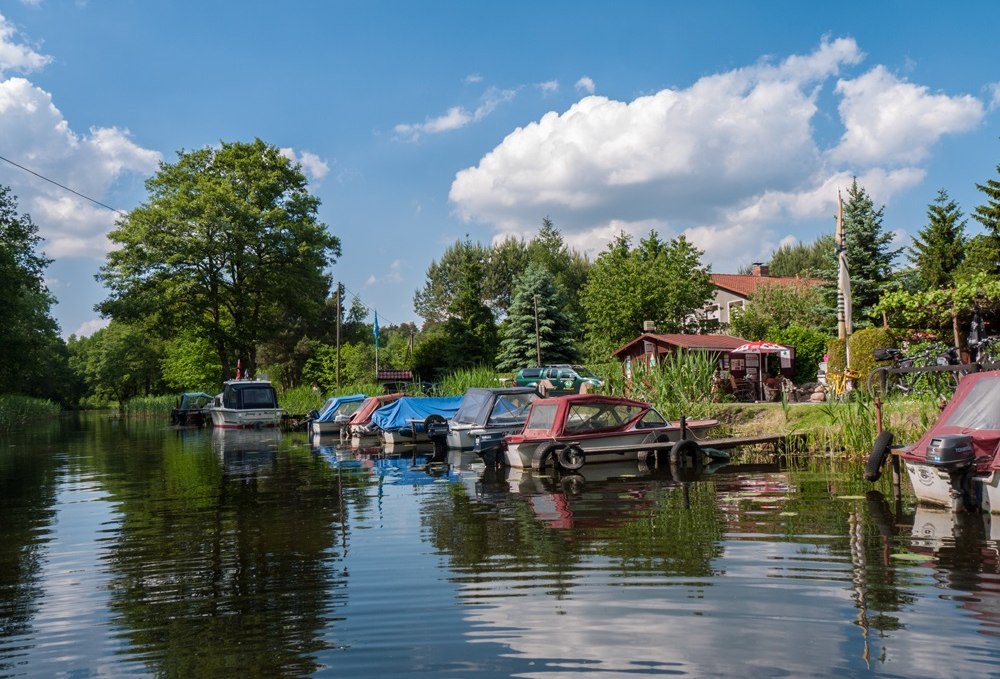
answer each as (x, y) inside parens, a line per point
(237, 368)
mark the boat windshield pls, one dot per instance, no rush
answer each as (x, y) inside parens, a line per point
(511, 408)
(471, 406)
(597, 416)
(542, 417)
(259, 397)
(979, 409)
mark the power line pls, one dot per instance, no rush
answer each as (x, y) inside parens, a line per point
(61, 186)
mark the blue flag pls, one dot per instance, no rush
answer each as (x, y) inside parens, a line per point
(375, 329)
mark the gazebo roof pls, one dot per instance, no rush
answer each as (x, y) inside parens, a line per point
(720, 343)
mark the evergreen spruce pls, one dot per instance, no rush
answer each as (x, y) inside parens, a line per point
(868, 255)
(518, 346)
(939, 248)
(988, 214)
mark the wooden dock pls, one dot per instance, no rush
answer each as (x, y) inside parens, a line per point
(778, 442)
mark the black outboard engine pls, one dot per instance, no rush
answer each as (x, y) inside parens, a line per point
(954, 454)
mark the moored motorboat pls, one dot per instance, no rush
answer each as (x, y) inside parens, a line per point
(192, 409)
(415, 419)
(246, 404)
(360, 427)
(956, 463)
(571, 430)
(336, 413)
(486, 415)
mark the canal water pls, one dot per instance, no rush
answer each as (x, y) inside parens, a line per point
(128, 548)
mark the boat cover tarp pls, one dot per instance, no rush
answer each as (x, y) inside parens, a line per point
(400, 414)
(332, 405)
(478, 404)
(974, 410)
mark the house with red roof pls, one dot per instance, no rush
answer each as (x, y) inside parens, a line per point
(733, 290)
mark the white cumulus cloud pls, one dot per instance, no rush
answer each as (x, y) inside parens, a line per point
(313, 166)
(17, 57)
(585, 84)
(732, 161)
(456, 117)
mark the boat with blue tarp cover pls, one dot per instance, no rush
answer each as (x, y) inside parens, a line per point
(336, 413)
(412, 419)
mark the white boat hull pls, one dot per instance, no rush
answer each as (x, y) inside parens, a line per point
(464, 438)
(932, 486)
(231, 418)
(331, 427)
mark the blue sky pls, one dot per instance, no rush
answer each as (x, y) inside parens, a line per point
(418, 123)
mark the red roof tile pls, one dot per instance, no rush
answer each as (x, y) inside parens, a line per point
(747, 285)
(685, 341)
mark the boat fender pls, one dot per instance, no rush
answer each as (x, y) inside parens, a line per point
(543, 454)
(570, 458)
(877, 458)
(686, 448)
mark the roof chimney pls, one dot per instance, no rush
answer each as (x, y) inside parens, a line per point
(759, 269)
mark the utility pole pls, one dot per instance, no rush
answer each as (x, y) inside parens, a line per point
(338, 335)
(538, 341)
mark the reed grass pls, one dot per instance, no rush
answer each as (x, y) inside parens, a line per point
(460, 381)
(682, 384)
(149, 405)
(15, 410)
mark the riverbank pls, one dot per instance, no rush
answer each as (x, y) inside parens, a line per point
(849, 428)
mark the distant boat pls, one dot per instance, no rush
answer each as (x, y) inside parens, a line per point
(336, 413)
(192, 409)
(414, 419)
(360, 425)
(568, 431)
(246, 404)
(486, 415)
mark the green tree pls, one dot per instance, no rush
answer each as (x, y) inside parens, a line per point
(988, 214)
(446, 280)
(982, 256)
(227, 244)
(520, 344)
(190, 364)
(33, 358)
(772, 307)
(568, 269)
(120, 362)
(801, 259)
(868, 254)
(939, 247)
(657, 281)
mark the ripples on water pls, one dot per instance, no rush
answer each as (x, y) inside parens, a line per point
(128, 548)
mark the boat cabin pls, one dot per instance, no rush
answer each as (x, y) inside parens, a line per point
(247, 395)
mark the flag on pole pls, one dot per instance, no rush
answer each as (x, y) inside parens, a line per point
(845, 321)
(375, 330)
(238, 372)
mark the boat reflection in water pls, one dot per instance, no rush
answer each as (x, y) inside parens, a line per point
(246, 452)
(407, 464)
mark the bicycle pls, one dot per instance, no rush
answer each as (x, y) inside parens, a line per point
(842, 382)
(983, 349)
(888, 380)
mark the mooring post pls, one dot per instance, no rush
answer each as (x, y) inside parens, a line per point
(897, 477)
(684, 426)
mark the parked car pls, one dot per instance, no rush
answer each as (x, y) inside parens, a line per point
(564, 379)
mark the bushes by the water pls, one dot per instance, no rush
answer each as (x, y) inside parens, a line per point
(17, 410)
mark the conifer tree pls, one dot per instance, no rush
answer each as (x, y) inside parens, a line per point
(519, 346)
(870, 259)
(988, 214)
(939, 248)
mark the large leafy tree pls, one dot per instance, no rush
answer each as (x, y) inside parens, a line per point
(939, 247)
(656, 281)
(119, 362)
(228, 244)
(32, 355)
(446, 280)
(536, 324)
(801, 259)
(869, 255)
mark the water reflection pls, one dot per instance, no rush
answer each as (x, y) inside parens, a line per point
(150, 550)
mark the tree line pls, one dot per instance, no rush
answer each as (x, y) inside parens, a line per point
(226, 262)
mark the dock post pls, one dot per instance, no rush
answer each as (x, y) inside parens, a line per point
(897, 478)
(684, 427)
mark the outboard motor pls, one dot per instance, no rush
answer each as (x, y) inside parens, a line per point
(954, 454)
